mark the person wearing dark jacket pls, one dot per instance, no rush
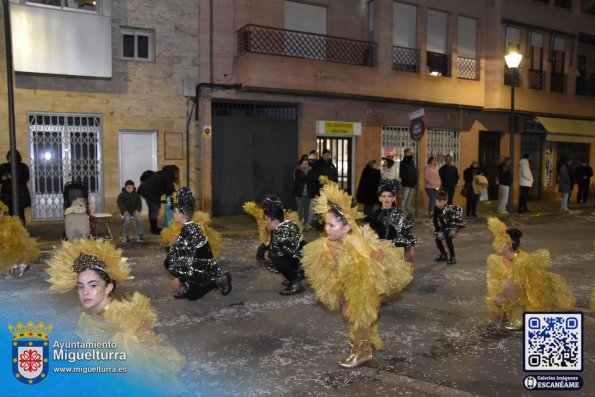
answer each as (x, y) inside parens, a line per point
(154, 186)
(304, 189)
(324, 166)
(408, 175)
(449, 177)
(130, 205)
(504, 182)
(583, 174)
(368, 185)
(24, 197)
(565, 182)
(470, 194)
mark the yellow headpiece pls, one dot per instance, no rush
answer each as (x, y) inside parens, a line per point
(3, 207)
(332, 197)
(498, 229)
(72, 257)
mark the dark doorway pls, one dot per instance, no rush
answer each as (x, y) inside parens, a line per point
(255, 150)
(341, 154)
(572, 151)
(489, 158)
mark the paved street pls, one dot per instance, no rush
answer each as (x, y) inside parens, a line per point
(439, 340)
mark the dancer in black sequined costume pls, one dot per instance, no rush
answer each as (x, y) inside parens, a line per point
(190, 259)
(391, 223)
(284, 250)
(448, 219)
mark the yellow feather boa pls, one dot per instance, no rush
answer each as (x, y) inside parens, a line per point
(16, 246)
(264, 236)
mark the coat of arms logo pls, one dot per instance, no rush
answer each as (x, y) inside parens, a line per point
(30, 351)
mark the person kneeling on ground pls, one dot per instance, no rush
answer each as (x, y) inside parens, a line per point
(190, 259)
(285, 247)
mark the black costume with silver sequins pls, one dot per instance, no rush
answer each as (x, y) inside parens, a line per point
(449, 218)
(395, 225)
(190, 259)
(285, 249)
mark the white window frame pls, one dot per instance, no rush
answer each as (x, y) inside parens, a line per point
(136, 32)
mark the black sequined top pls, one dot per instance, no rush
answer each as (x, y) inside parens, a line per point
(286, 240)
(394, 224)
(449, 217)
(190, 257)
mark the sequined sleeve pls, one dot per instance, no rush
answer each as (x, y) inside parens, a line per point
(190, 254)
(402, 222)
(286, 240)
(453, 217)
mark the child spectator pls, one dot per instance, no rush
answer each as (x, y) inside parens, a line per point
(448, 219)
(190, 259)
(130, 205)
(391, 223)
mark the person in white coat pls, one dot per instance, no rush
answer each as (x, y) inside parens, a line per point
(525, 182)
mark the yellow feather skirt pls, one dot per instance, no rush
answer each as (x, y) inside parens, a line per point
(16, 246)
(355, 282)
(537, 288)
(129, 323)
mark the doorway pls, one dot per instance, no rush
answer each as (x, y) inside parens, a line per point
(489, 159)
(341, 156)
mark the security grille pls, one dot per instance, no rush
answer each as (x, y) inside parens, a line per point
(536, 79)
(406, 59)
(394, 140)
(468, 68)
(64, 147)
(441, 142)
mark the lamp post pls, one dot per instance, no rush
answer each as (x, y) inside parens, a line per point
(513, 60)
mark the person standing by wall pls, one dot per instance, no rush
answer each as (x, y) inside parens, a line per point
(324, 166)
(433, 182)
(22, 176)
(582, 174)
(525, 182)
(366, 190)
(153, 187)
(565, 182)
(504, 183)
(449, 178)
(472, 196)
(408, 174)
(304, 189)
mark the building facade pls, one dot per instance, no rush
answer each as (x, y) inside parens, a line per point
(268, 80)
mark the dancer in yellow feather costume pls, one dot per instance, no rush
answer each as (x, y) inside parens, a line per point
(353, 270)
(16, 246)
(170, 234)
(94, 267)
(520, 282)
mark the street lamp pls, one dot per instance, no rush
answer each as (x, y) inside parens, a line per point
(513, 60)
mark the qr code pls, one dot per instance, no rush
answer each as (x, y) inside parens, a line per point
(553, 341)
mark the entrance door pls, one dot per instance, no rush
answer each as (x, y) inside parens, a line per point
(489, 158)
(255, 152)
(341, 155)
(138, 153)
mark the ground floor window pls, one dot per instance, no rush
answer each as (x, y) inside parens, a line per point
(441, 142)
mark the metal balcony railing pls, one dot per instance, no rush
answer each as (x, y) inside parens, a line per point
(438, 64)
(468, 68)
(558, 82)
(536, 79)
(406, 59)
(283, 42)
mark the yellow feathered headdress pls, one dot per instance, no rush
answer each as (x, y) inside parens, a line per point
(498, 229)
(3, 207)
(75, 256)
(333, 197)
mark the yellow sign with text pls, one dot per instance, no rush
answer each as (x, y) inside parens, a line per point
(338, 127)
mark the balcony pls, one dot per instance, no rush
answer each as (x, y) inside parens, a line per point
(438, 64)
(536, 79)
(406, 59)
(468, 68)
(290, 43)
(559, 82)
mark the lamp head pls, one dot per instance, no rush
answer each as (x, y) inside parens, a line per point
(513, 59)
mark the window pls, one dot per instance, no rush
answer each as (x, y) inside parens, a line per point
(467, 52)
(438, 61)
(138, 44)
(535, 60)
(558, 65)
(405, 52)
(90, 5)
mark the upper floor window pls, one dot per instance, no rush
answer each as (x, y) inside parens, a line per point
(90, 5)
(437, 42)
(138, 44)
(467, 48)
(513, 38)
